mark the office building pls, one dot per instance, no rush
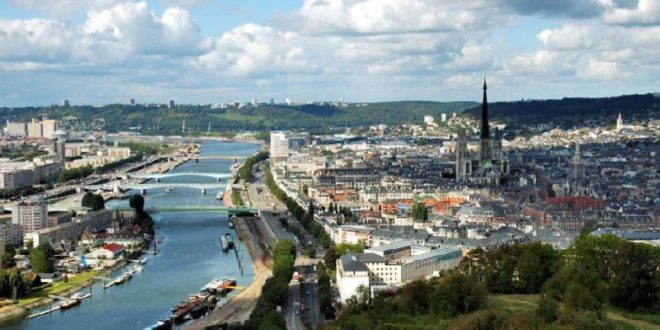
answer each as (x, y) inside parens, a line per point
(11, 233)
(279, 147)
(31, 217)
(16, 129)
(48, 128)
(392, 264)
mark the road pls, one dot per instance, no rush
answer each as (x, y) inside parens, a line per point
(305, 294)
(312, 298)
(292, 311)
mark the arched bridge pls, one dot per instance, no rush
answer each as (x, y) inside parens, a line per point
(143, 187)
(158, 176)
(183, 208)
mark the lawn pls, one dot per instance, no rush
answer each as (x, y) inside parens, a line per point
(56, 288)
(622, 319)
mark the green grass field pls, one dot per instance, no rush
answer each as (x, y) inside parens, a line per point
(56, 288)
(527, 302)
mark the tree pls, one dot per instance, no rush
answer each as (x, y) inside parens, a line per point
(137, 202)
(330, 257)
(272, 321)
(40, 259)
(458, 293)
(93, 201)
(8, 258)
(359, 301)
(419, 212)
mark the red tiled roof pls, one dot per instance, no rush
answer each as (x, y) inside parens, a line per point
(113, 247)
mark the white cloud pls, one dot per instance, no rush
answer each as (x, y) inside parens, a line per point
(360, 49)
(35, 40)
(255, 49)
(647, 12)
(599, 70)
(135, 27)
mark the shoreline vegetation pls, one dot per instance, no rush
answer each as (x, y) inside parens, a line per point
(40, 296)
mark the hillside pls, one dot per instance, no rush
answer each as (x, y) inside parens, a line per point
(262, 117)
(571, 110)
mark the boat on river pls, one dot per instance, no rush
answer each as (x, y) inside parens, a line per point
(224, 243)
(194, 307)
(230, 240)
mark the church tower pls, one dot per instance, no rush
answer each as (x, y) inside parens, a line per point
(463, 162)
(578, 169)
(619, 123)
(485, 150)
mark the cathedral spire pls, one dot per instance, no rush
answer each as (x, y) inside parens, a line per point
(485, 131)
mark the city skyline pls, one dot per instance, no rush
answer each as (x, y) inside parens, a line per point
(192, 51)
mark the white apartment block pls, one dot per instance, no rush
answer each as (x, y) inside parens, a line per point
(279, 147)
(31, 217)
(391, 265)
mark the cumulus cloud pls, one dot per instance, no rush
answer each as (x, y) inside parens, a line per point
(255, 49)
(135, 26)
(35, 40)
(646, 12)
(599, 70)
(361, 49)
(387, 16)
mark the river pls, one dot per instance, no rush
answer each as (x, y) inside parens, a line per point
(190, 257)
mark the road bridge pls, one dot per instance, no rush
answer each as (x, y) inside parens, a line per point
(185, 208)
(143, 187)
(234, 158)
(159, 176)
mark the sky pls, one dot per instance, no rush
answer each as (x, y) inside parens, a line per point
(212, 51)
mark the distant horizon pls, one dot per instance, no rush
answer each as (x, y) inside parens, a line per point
(326, 102)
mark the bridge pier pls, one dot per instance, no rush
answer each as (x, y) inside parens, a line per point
(157, 180)
(143, 191)
(203, 191)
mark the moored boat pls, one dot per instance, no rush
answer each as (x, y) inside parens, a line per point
(224, 243)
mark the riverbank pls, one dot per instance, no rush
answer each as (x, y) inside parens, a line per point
(239, 307)
(24, 306)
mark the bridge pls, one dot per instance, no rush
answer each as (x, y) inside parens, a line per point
(234, 158)
(143, 187)
(185, 208)
(159, 176)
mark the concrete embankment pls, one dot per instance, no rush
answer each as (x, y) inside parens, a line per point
(239, 307)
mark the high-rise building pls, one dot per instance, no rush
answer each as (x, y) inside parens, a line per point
(132, 102)
(35, 129)
(48, 128)
(31, 216)
(60, 148)
(443, 117)
(171, 105)
(16, 129)
(279, 147)
(66, 103)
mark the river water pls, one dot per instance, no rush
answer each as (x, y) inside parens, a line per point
(190, 257)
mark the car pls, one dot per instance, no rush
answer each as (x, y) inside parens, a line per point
(297, 312)
(308, 293)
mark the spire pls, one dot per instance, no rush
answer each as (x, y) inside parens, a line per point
(485, 133)
(577, 158)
